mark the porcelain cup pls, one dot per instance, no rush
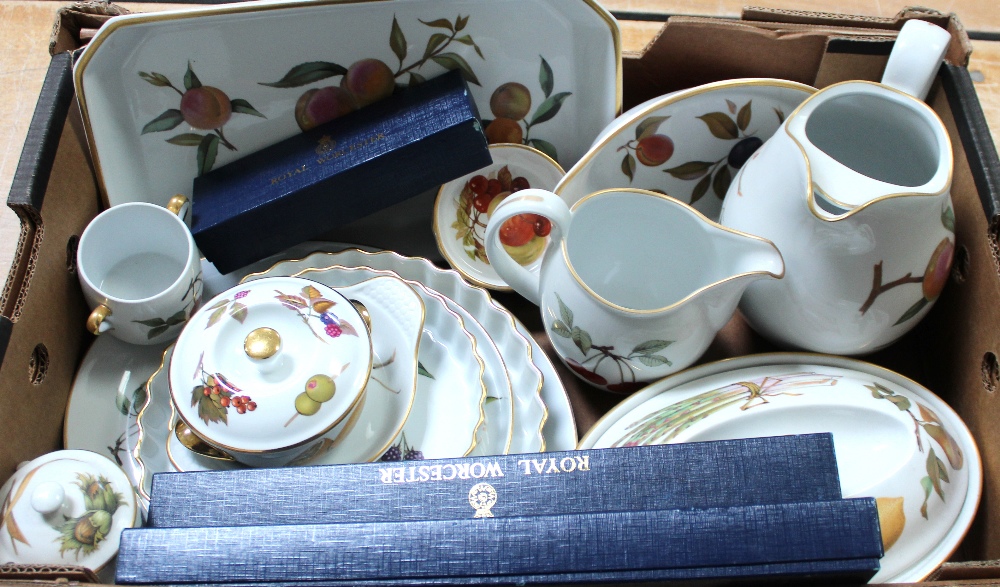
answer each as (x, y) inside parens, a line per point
(140, 272)
(634, 285)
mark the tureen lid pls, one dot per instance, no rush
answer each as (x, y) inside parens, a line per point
(65, 508)
(270, 364)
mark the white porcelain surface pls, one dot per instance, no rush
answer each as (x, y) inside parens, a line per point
(894, 440)
(687, 144)
(387, 401)
(134, 73)
(538, 425)
(460, 226)
(148, 280)
(65, 508)
(635, 285)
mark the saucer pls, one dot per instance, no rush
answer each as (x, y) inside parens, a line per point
(522, 58)
(543, 417)
(397, 318)
(895, 440)
(688, 144)
(449, 406)
(463, 205)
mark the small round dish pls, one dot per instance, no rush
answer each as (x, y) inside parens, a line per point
(264, 370)
(894, 440)
(464, 205)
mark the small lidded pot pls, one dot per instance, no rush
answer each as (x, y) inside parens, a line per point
(67, 507)
(269, 368)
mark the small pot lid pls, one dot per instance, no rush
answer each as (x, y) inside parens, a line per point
(65, 508)
(270, 364)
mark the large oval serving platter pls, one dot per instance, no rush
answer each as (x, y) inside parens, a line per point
(895, 440)
(153, 126)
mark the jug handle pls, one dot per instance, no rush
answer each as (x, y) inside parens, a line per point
(916, 58)
(529, 201)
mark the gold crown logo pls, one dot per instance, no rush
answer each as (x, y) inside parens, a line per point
(482, 497)
(326, 144)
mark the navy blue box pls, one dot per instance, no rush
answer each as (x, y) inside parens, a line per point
(338, 172)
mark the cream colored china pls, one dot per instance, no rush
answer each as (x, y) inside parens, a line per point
(895, 440)
(269, 370)
(855, 192)
(687, 144)
(65, 508)
(538, 424)
(397, 315)
(461, 214)
(636, 284)
(139, 271)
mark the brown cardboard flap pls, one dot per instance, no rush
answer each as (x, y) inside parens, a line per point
(37, 573)
(75, 24)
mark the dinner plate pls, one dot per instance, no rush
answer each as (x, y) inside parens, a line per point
(171, 95)
(448, 410)
(537, 423)
(895, 440)
(398, 316)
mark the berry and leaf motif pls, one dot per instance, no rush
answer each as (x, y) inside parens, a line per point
(401, 451)
(85, 532)
(932, 281)
(202, 107)
(663, 425)
(645, 352)
(234, 308)
(523, 236)
(158, 326)
(369, 80)
(319, 389)
(929, 423)
(311, 304)
(510, 103)
(216, 394)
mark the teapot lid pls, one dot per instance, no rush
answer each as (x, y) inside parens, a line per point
(270, 364)
(65, 508)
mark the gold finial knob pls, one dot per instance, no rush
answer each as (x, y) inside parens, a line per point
(262, 343)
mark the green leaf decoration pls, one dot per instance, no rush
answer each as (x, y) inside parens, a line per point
(564, 312)
(218, 305)
(243, 107)
(628, 166)
(927, 485)
(210, 410)
(549, 108)
(654, 360)
(648, 126)
(177, 317)
(307, 73)
(416, 79)
(154, 332)
(468, 239)
(902, 403)
(157, 79)
(152, 322)
(720, 185)
(934, 468)
(441, 23)
(191, 80)
(948, 218)
(166, 121)
(913, 311)
(582, 339)
(238, 312)
(701, 189)
(780, 115)
(545, 77)
(690, 170)
(743, 118)
(296, 301)
(123, 404)
(139, 397)
(651, 346)
(560, 328)
(207, 151)
(397, 40)
(721, 125)
(421, 370)
(455, 61)
(188, 139)
(467, 40)
(460, 22)
(217, 315)
(545, 147)
(436, 40)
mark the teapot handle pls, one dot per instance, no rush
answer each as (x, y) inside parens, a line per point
(916, 58)
(529, 201)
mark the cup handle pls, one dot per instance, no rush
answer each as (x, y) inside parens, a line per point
(916, 58)
(529, 201)
(96, 321)
(177, 204)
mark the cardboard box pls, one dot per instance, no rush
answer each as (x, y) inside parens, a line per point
(952, 352)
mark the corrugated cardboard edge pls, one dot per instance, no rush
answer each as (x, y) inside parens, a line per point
(61, 573)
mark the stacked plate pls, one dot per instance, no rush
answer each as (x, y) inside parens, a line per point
(482, 385)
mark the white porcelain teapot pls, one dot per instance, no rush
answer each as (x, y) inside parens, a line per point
(854, 190)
